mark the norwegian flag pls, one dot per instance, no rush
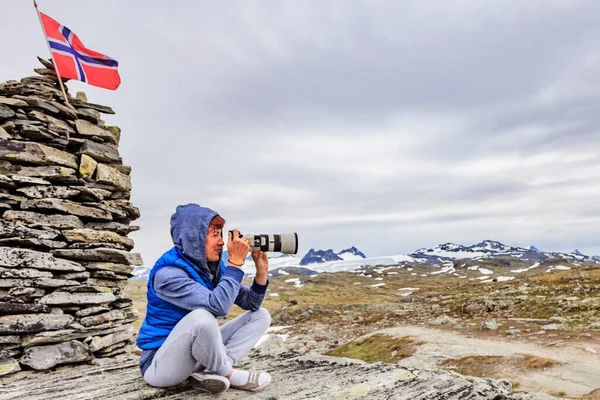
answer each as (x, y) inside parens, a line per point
(73, 60)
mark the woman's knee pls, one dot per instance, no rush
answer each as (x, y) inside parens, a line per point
(201, 319)
(264, 315)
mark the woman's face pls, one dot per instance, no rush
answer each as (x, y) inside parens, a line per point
(214, 244)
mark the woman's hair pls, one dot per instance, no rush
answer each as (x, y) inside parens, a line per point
(216, 223)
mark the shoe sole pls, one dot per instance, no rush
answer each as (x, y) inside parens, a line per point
(210, 385)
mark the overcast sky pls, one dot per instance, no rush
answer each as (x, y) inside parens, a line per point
(387, 125)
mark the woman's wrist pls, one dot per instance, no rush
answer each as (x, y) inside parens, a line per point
(261, 278)
(236, 263)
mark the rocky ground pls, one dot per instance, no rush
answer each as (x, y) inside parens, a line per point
(539, 331)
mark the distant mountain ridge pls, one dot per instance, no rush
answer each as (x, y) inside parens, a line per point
(352, 258)
(320, 256)
(490, 248)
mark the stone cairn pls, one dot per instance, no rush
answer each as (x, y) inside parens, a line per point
(65, 214)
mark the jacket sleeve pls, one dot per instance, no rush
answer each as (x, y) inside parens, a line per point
(175, 286)
(251, 298)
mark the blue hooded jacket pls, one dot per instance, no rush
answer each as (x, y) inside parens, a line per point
(189, 226)
(173, 294)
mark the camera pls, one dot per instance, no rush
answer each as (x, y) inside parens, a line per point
(286, 243)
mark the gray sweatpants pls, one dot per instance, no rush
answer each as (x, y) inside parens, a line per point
(198, 343)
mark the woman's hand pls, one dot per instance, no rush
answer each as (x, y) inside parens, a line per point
(238, 248)
(262, 266)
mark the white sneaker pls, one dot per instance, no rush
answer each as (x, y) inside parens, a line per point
(257, 380)
(209, 382)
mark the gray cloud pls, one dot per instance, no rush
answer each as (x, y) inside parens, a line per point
(385, 125)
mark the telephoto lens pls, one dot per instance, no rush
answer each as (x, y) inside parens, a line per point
(286, 243)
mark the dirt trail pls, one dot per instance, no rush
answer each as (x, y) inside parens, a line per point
(577, 374)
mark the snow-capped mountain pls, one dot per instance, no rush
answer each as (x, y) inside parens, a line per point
(488, 248)
(319, 256)
(351, 254)
(352, 259)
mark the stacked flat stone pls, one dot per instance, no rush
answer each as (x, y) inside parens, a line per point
(65, 214)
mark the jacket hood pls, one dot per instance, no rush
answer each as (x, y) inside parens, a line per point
(189, 226)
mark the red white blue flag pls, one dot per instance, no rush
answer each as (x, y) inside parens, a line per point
(73, 60)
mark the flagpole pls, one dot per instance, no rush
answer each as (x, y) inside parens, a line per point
(51, 55)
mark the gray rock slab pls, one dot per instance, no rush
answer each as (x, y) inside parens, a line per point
(101, 342)
(9, 366)
(49, 172)
(46, 357)
(11, 198)
(23, 273)
(86, 312)
(67, 206)
(100, 152)
(93, 194)
(115, 349)
(64, 335)
(116, 131)
(93, 236)
(36, 153)
(37, 133)
(22, 308)
(73, 275)
(30, 180)
(109, 255)
(85, 288)
(89, 114)
(97, 107)
(39, 244)
(119, 379)
(107, 326)
(7, 182)
(4, 134)
(113, 267)
(126, 169)
(38, 102)
(12, 324)
(26, 293)
(11, 257)
(9, 352)
(108, 275)
(12, 102)
(68, 112)
(13, 339)
(114, 315)
(65, 298)
(6, 112)
(126, 206)
(106, 283)
(111, 176)
(41, 192)
(96, 245)
(87, 166)
(49, 120)
(36, 282)
(38, 220)
(89, 129)
(116, 212)
(11, 229)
